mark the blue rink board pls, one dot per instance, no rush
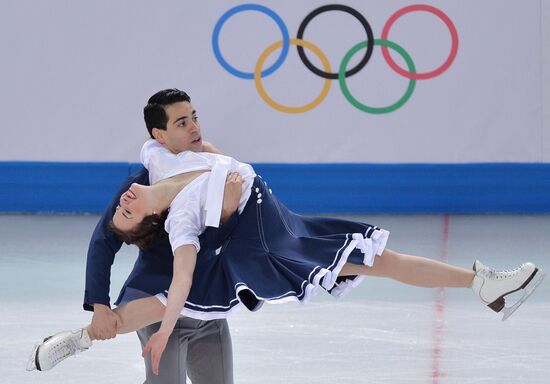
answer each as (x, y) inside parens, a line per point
(305, 188)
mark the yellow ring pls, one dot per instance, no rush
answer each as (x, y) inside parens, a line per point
(283, 108)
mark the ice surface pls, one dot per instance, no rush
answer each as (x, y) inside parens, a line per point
(383, 332)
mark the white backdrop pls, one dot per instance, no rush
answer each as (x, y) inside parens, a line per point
(75, 76)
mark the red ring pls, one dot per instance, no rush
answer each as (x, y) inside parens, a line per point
(444, 18)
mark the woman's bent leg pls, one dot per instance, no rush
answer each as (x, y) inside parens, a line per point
(135, 315)
(56, 348)
(413, 270)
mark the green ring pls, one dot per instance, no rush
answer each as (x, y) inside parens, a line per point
(353, 100)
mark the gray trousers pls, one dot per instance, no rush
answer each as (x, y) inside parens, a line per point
(202, 349)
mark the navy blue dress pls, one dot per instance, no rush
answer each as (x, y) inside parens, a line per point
(275, 255)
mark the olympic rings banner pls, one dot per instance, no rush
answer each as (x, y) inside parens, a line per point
(326, 72)
(280, 81)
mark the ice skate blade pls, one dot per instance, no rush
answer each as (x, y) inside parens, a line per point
(508, 311)
(31, 363)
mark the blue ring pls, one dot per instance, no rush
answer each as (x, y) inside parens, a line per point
(250, 7)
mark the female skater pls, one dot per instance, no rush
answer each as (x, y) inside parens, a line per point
(272, 255)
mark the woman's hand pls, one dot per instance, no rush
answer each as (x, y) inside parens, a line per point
(156, 345)
(232, 195)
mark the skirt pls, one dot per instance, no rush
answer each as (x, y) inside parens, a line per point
(275, 255)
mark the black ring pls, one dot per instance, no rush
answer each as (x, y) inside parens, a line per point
(354, 13)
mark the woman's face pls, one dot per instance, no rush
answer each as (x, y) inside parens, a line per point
(135, 204)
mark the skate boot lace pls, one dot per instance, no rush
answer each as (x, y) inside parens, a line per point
(498, 275)
(65, 348)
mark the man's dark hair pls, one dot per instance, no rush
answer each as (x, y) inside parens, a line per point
(146, 233)
(154, 113)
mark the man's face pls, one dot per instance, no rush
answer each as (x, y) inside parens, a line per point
(183, 131)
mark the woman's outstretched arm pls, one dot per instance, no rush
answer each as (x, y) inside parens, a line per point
(185, 258)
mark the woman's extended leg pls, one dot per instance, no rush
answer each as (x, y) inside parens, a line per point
(489, 285)
(413, 270)
(135, 315)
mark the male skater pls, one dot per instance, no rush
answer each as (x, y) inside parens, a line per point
(202, 349)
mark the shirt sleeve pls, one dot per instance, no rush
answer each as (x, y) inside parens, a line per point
(184, 224)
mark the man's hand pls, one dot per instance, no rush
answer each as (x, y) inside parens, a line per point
(156, 345)
(104, 322)
(208, 147)
(231, 195)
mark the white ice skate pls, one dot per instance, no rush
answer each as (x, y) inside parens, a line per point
(57, 348)
(492, 286)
